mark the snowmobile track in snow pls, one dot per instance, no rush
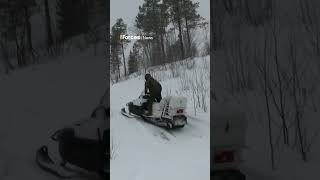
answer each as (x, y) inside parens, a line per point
(196, 119)
(161, 131)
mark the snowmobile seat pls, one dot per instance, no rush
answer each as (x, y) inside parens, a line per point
(82, 152)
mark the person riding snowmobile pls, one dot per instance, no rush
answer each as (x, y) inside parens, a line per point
(153, 88)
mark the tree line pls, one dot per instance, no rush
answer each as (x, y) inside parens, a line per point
(170, 23)
(73, 18)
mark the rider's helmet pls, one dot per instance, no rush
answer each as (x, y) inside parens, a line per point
(147, 76)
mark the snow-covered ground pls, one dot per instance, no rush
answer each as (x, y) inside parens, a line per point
(38, 100)
(257, 162)
(141, 151)
(289, 164)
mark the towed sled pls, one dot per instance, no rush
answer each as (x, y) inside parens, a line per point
(168, 113)
(84, 145)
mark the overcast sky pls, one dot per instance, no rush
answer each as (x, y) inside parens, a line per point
(128, 9)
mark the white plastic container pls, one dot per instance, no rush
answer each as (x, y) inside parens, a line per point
(228, 136)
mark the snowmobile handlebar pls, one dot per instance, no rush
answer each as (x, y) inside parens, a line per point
(145, 96)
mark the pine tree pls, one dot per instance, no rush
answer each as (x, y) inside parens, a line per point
(97, 15)
(97, 21)
(48, 24)
(152, 19)
(120, 28)
(192, 20)
(134, 59)
(73, 18)
(66, 23)
(117, 46)
(114, 54)
(16, 28)
(115, 57)
(132, 63)
(176, 16)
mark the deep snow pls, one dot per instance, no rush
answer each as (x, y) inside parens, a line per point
(257, 163)
(141, 151)
(38, 100)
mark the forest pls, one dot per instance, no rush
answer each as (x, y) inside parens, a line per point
(265, 59)
(174, 27)
(33, 31)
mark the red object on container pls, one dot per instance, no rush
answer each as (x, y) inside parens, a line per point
(180, 111)
(224, 157)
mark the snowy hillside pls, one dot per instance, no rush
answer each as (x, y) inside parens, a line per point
(267, 62)
(141, 151)
(257, 163)
(37, 101)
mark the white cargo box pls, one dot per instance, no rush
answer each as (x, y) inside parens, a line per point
(174, 102)
(228, 126)
(178, 102)
(228, 132)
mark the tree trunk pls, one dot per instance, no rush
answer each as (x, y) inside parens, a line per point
(265, 77)
(29, 36)
(124, 61)
(178, 18)
(118, 65)
(189, 39)
(298, 109)
(162, 47)
(281, 95)
(4, 51)
(48, 24)
(18, 51)
(181, 40)
(159, 51)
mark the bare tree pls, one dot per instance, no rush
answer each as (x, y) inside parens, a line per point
(265, 73)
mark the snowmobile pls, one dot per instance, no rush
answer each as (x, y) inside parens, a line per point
(83, 144)
(168, 113)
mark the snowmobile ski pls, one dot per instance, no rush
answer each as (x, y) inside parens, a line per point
(149, 119)
(46, 163)
(123, 112)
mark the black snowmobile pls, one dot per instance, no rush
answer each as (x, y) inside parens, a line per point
(168, 113)
(84, 144)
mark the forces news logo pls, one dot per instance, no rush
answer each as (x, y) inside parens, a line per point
(122, 37)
